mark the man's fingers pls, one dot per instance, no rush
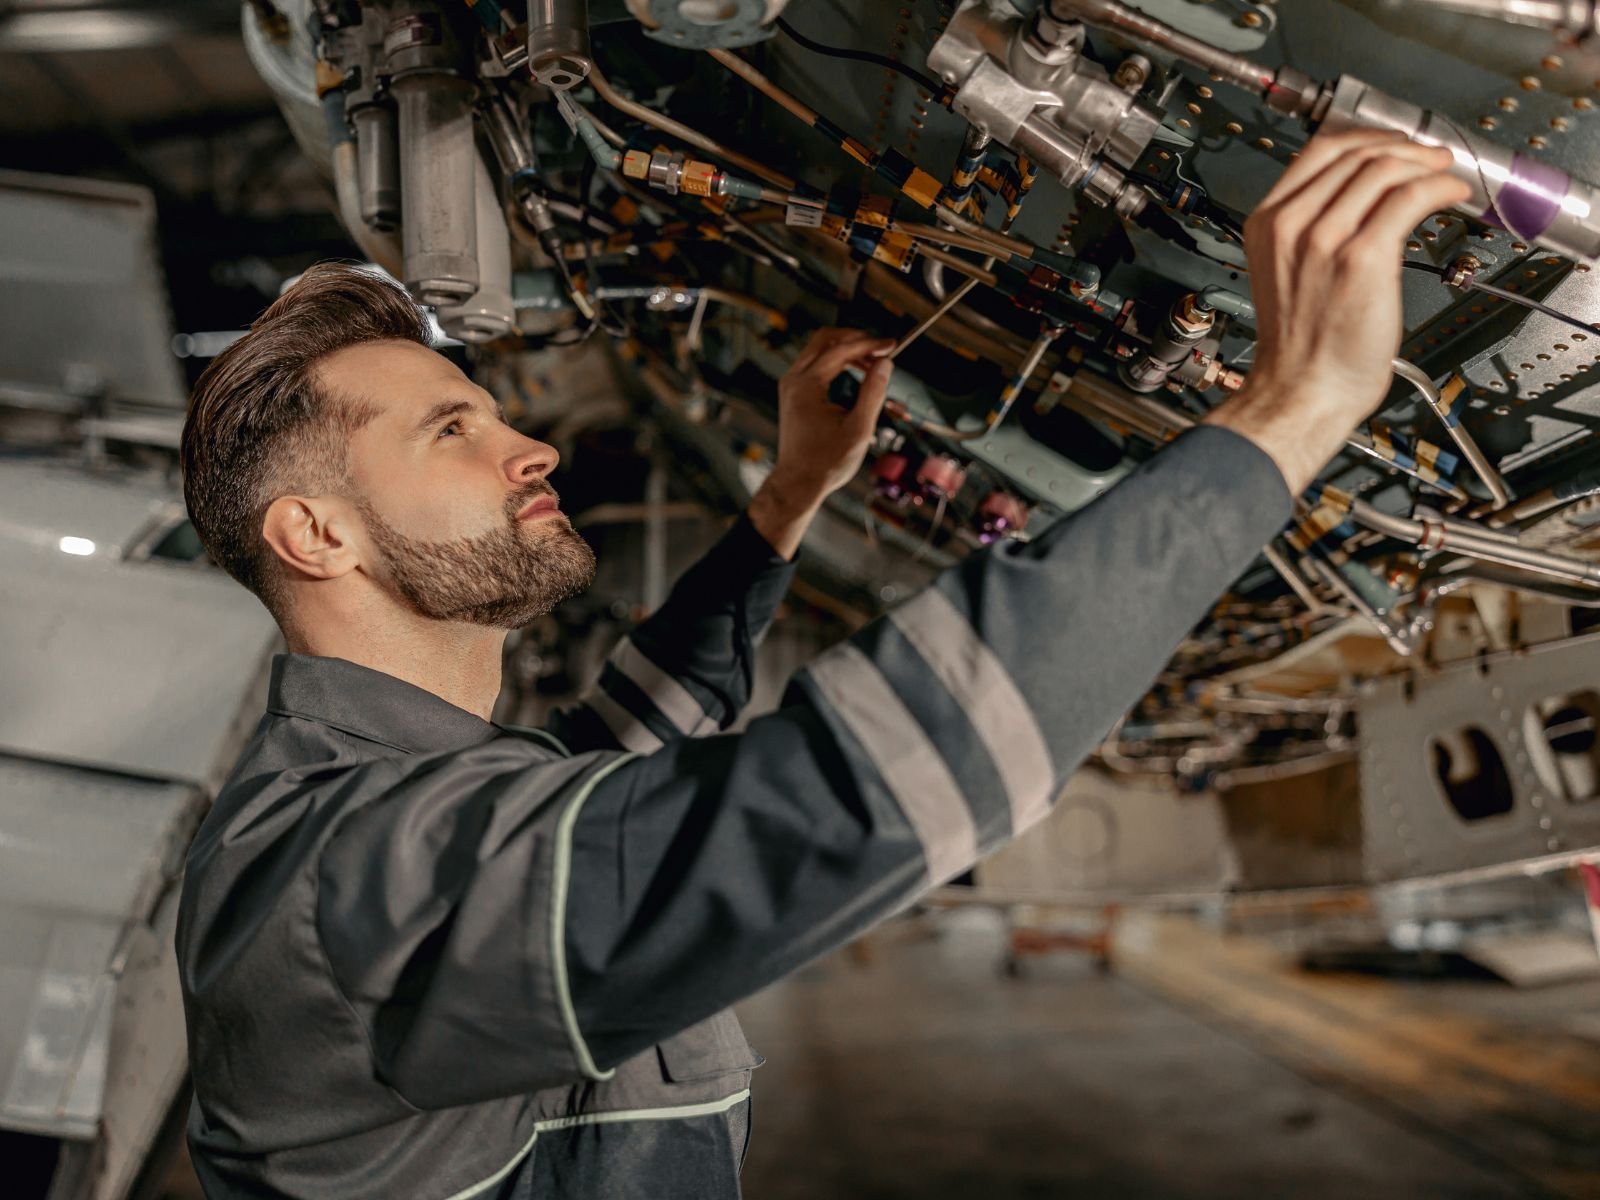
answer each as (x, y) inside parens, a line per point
(1400, 209)
(1308, 204)
(1320, 152)
(825, 341)
(869, 401)
(858, 349)
(816, 344)
(1347, 215)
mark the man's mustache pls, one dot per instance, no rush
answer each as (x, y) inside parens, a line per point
(528, 495)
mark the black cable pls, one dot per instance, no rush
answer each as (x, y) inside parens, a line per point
(1535, 305)
(932, 86)
(1213, 214)
(1515, 298)
(617, 327)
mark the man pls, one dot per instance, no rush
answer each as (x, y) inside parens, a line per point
(424, 956)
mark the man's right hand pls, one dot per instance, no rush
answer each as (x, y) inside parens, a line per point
(1325, 249)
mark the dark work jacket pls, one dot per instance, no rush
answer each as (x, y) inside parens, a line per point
(426, 956)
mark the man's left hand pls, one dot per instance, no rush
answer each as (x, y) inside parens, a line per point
(820, 445)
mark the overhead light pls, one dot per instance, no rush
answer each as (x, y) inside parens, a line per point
(55, 32)
(204, 345)
(76, 545)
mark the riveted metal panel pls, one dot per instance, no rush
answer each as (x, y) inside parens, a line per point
(1409, 825)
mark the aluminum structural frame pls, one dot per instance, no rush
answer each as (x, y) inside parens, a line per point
(1409, 827)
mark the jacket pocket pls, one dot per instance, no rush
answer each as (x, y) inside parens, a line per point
(716, 1046)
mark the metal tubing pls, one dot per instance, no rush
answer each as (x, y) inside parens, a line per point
(1108, 14)
(1019, 381)
(1143, 414)
(1459, 537)
(1286, 570)
(971, 270)
(684, 133)
(1354, 442)
(989, 241)
(764, 85)
(1584, 483)
(1390, 632)
(1418, 379)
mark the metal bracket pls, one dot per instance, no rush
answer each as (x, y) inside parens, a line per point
(1408, 824)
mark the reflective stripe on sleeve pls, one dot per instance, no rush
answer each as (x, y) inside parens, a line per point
(909, 763)
(984, 689)
(665, 692)
(630, 732)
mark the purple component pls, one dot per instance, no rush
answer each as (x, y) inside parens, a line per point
(1530, 199)
(890, 476)
(1000, 515)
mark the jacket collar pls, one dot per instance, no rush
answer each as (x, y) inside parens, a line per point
(371, 705)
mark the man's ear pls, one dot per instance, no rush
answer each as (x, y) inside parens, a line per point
(312, 535)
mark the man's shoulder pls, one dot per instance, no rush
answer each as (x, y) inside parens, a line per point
(299, 778)
(282, 772)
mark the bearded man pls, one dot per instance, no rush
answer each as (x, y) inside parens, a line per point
(424, 955)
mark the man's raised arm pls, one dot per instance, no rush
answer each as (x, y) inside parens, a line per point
(575, 913)
(687, 669)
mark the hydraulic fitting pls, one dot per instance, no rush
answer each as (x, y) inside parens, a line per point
(673, 173)
(1186, 325)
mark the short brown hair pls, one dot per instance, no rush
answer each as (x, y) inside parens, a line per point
(261, 425)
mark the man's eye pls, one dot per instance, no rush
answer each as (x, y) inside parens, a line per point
(452, 426)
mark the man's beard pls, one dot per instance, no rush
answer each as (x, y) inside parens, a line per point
(504, 578)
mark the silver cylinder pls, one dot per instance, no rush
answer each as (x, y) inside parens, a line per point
(1579, 18)
(437, 164)
(378, 166)
(489, 312)
(1532, 200)
(558, 43)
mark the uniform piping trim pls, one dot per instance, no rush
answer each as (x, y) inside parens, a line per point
(561, 874)
(543, 735)
(677, 1112)
(484, 1184)
(680, 1112)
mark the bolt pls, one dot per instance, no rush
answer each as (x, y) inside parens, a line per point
(1132, 72)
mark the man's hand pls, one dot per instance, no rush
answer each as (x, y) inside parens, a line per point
(1325, 248)
(820, 445)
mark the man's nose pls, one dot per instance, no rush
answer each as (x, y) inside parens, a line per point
(534, 460)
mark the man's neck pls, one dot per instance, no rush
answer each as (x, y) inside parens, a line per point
(457, 662)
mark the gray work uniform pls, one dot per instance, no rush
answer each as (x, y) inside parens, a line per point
(426, 956)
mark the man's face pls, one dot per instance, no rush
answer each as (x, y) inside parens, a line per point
(455, 502)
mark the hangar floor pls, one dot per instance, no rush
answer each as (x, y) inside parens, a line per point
(914, 1070)
(908, 1066)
